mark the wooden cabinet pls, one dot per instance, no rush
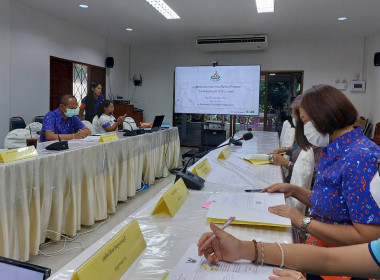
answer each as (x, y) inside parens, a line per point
(121, 109)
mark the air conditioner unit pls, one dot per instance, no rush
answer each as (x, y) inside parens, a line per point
(232, 43)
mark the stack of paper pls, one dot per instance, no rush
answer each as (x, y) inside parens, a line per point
(248, 208)
(193, 267)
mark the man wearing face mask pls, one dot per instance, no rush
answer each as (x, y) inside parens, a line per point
(343, 210)
(63, 121)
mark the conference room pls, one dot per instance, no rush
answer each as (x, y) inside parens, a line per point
(191, 65)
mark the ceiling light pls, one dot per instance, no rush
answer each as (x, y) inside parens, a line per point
(265, 6)
(163, 8)
(129, 29)
(342, 18)
(83, 6)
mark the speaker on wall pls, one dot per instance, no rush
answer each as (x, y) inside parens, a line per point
(376, 59)
(109, 62)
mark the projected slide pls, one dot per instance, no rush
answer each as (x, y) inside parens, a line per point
(229, 90)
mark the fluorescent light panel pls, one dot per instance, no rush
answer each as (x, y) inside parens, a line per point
(163, 8)
(265, 6)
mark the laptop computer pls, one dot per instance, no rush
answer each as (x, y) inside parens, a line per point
(156, 124)
(17, 270)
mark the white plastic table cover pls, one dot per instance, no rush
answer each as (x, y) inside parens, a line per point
(168, 237)
(60, 191)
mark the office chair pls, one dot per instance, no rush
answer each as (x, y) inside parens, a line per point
(16, 122)
(38, 119)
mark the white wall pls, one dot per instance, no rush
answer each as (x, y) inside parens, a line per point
(373, 79)
(5, 67)
(34, 37)
(322, 62)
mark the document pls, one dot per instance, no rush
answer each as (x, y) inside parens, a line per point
(91, 138)
(248, 208)
(193, 267)
(255, 158)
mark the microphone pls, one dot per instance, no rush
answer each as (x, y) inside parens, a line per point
(129, 132)
(195, 182)
(246, 136)
(58, 146)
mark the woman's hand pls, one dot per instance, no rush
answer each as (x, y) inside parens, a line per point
(224, 247)
(285, 188)
(286, 274)
(280, 150)
(288, 212)
(280, 160)
(120, 120)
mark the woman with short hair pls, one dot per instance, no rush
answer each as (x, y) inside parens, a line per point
(343, 211)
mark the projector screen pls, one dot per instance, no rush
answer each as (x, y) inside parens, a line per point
(219, 90)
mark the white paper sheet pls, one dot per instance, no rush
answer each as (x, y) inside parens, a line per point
(248, 207)
(193, 267)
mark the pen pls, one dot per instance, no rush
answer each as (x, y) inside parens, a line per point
(212, 237)
(254, 190)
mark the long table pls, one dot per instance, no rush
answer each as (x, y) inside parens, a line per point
(168, 238)
(57, 192)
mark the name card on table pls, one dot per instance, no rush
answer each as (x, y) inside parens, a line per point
(18, 154)
(173, 199)
(225, 153)
(202, 169)
(108, 137)
(115, 257)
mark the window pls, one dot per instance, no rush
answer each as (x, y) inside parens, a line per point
(80, 81)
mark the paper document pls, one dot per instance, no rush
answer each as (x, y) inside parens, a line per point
(91, 138)
(257, 158)
(248, 208)
(193, 267)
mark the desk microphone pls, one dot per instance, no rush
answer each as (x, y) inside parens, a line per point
(58, 146)
(129, 132)
(195, 182)
(245, 137)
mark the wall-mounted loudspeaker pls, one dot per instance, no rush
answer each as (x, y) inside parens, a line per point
(109, 62)
(376, 59)
(136, 81)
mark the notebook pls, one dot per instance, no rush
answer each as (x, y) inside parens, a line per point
(156, 124)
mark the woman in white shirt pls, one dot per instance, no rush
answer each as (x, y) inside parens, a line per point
(107, 122)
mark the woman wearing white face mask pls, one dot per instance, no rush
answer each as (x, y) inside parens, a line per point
(343, 211)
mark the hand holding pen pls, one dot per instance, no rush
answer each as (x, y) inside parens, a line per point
(218, 245)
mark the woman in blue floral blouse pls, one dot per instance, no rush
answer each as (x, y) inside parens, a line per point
(343, 211)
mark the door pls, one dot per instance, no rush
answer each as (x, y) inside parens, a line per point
(61, 80)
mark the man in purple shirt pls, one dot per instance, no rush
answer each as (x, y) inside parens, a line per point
(64, 122)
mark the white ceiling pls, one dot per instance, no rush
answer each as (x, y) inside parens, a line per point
(292, 18)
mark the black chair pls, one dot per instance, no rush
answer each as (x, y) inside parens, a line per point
(16, 122)
(38, 119)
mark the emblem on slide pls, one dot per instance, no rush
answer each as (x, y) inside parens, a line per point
(215, 77)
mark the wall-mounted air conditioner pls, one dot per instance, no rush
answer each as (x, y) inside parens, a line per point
(232, 43)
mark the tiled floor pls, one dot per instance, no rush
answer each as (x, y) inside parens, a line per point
(123, 210)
